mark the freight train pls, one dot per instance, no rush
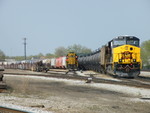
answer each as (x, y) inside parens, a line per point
(65, 62)
(119, 57)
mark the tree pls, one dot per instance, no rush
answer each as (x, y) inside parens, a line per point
(40, 55)
(77, 48)
(49, 55)
(145, 52)
(2, 55)
(60, 51)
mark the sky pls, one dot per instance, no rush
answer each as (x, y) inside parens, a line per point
(49, 24)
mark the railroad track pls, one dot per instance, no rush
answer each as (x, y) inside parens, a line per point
(2, 85)
(121, 81)
(135, 82)
(10, 110)
(143, 78)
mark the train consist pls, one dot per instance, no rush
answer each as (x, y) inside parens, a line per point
(120, 56)
(66, 62)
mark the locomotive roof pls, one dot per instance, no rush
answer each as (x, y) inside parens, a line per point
(71, 52)
(126, 37)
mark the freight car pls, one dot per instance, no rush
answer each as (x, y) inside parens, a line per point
(53, 63)
(120, 56)
(40, 66)
(61, 62)
(1, 73)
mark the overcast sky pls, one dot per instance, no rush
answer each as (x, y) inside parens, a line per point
(48, 24)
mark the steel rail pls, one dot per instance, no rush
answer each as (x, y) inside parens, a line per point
(11, 110)
(126, 82)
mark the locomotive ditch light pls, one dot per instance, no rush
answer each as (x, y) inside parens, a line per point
(120, 60)
(134, 60)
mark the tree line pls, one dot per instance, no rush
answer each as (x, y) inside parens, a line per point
(60, 51)
(145, 54)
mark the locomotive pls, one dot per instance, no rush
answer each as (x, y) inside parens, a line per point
(72, 61)
(119, 57)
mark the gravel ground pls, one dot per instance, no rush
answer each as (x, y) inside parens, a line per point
(40, 94)
(145, 74)
(51, 95)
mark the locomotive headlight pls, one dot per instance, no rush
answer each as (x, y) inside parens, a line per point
(120, 60)
(134, 60)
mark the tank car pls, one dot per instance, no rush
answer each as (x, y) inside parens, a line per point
(120, 56)
(90, 61)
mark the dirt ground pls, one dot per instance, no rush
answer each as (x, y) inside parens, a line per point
(68, 96)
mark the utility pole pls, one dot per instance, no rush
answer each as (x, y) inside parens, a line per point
(25, 47)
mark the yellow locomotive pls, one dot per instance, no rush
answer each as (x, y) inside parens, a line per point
(121, 56)
(72, 61)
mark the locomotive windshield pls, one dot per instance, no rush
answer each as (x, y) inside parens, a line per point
(126, 40)
(119, 42)
(133, 42)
